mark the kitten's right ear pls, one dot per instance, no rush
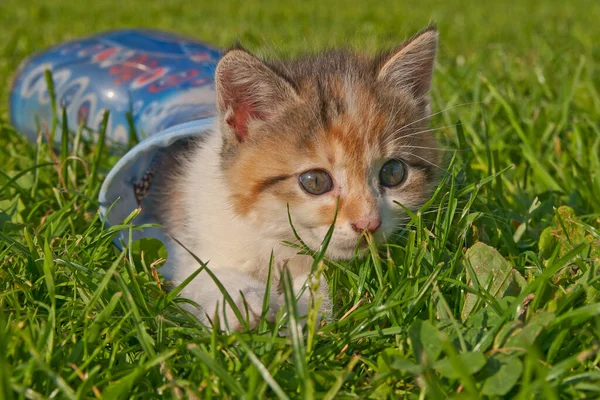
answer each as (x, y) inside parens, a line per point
(248, 89)
(410, 67)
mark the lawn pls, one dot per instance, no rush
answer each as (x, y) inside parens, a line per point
(492, 290)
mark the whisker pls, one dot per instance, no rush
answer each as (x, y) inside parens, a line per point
(439, 112)
(428, 130)
(428, 162)
(420, 127)
(433, 148)
(394, 137)
(430, 116)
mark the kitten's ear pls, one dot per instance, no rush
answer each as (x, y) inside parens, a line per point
(410, 66)
(248, 89)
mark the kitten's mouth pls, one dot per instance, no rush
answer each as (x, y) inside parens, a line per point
(345, 247)
(360, 244)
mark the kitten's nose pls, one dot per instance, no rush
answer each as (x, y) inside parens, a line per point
(369, 224)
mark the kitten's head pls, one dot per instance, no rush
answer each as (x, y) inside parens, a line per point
(306, 132)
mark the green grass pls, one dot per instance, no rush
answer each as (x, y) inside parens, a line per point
(78, 319)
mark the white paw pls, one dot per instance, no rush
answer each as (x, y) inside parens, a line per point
(250, 307)
(318, 309)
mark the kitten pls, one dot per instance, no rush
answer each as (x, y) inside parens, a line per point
(301, 133)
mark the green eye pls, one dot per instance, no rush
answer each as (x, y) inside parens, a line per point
(316, 181)
(392, 173)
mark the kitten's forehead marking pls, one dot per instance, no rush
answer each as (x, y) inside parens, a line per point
(349, 97)
(351, 148)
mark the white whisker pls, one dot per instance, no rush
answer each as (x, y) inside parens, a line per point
(428, 162)
(396, 138)
(437, 113)
(437, 149)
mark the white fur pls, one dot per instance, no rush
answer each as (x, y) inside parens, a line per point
(236, 251)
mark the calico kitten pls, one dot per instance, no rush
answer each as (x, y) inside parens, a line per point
(301, 133)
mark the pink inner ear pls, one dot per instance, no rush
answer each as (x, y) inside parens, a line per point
(239, 118)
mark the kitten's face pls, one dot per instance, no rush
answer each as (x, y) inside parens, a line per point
(334, 130)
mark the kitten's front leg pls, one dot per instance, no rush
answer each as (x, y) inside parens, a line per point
(246, 292)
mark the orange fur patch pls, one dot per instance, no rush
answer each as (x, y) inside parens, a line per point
(349, 142)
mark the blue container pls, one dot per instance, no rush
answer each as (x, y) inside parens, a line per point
(160, 78)
(165, 81)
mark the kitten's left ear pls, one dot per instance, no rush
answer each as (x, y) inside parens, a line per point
(410, 67)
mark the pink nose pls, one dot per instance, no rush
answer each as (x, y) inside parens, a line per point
(368, 224)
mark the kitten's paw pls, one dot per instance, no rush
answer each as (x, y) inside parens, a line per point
(250, 307)
(306, 311)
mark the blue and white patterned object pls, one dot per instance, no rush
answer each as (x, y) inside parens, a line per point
(117, 195)
(160, 78)
(165, 81)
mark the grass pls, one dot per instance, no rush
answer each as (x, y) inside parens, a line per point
(421, 318)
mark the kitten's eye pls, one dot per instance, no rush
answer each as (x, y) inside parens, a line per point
(392, 173)
(316, 181)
